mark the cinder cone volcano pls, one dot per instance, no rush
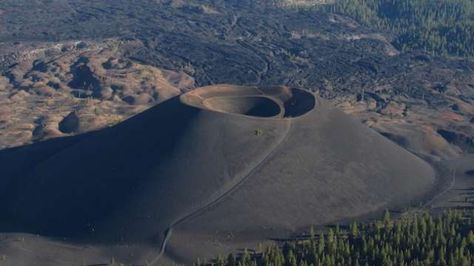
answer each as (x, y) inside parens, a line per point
(216, 166)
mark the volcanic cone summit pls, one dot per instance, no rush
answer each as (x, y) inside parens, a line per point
(206, 171)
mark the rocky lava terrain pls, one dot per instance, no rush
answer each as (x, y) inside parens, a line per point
(93, 64)
(123, 57)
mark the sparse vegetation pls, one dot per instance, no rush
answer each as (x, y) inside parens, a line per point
(420, 239)
(440, 27)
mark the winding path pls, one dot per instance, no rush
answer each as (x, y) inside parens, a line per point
(220, 195)
(444, 191)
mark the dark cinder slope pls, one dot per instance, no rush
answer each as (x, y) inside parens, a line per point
(200, 173)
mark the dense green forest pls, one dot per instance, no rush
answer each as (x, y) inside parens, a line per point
(417, 239)
(443, 27)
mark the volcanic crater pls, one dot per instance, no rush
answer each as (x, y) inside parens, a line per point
(191, 178)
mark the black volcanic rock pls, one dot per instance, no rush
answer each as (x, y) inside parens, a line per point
(70, 123)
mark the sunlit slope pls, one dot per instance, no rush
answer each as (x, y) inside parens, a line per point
(251, 163)
(329, 167)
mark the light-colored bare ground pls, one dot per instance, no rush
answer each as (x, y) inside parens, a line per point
(416, 126)
(91, 81)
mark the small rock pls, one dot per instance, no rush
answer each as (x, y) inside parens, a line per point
(70, 123)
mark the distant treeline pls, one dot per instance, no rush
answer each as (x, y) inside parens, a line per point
(443, 27)
(421, 239)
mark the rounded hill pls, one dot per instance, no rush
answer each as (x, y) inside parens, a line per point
(206, 171)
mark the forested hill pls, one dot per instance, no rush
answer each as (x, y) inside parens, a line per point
(442, 27)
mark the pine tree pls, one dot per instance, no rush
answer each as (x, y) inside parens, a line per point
(354, 230)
